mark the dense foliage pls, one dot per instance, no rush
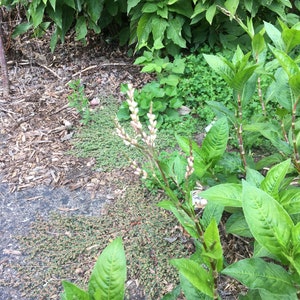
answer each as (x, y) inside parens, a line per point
(158, 25)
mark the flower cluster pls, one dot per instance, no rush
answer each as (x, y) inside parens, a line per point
(138, 171)
(190, 166)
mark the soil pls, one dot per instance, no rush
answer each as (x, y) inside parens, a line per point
(38, 177)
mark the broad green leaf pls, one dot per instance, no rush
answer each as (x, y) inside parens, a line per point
(212, 210)
(144, 28)
(166, 204)
(258, 43)
(109, 274)
(215, 142)
(182, 8)
(212, 240)
(94, 9)
(226, 194)
(275, 35)
(268, 221)
(287, 63)
(70, 3)
(20, 29)
(190, 292)
(173, 295)
(131, 4)
(81, 28)
(272, 296)
(221, 66)
(232, 5)
(71, 292)
(294, 82)
(290, 200)
(199, 277)
(296, 239)
(38, 15)
(159, 26)
(255, 273)
(236, 224)
(260, 251)
(291, 38)
(254, 177)
(174, 31)
(210, 13)
(221, 110)
(274, 178)
(199, 8)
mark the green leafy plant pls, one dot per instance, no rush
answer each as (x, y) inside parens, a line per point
(265, 208)
(108, 277)
(79, 101)
(282, 94)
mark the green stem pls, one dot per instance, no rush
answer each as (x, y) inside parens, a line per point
(239, 130)
(296, 152)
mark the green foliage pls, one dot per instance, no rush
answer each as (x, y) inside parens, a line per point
(79, 101)
(108, 277)
(82, 15)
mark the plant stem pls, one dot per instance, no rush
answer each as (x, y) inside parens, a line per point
(296, 153)
(259, 90)
(5, 81)
(239, 130)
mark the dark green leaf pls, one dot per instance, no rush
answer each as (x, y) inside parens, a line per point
(236, 224)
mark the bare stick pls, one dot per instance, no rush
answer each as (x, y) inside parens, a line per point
(3, 64)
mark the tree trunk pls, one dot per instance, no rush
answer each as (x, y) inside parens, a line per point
(5, 80)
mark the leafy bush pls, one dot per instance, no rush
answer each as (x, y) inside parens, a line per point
(81, 15)
(266, 208)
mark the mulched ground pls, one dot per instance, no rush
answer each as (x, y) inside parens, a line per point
(36, 127)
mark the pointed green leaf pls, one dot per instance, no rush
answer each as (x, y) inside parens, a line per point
(81, 28)
(274, 178)
(254, 177)
(269, 223)
(174, 31)
(226, 194)
(258, 43)
(215, 142)
(290, 200)
(232, 5)
(287, 63)
(291, 37)
(71, 291)
(108, 277)
(221, 110)
(195, 274)
(212, 210)
(213, 244)
(275, 35)
(210, 13)
(255, 273)
(190, 292)
(294, 82)
(236, 224)
(20, 29)
(221, 66)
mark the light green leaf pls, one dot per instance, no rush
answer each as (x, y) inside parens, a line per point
(199, 8)
(144, 28)
(232, 5)
(294, 82)
(212, 210)
(221, 110)
(290, 200)
(109, 274)
(226, 194)
(287, 63)
(212, 241)
(255, 273)
(210, 13)
(236, 224)
(269, 223)
(190, 292)
(215, 142)
(131, 4)
(254, 177)
(221, 66)
(260, 251)
(275, 35)
(195, 274)
(291, 38)
(274, 178)
(174, 31)
(71, 292)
